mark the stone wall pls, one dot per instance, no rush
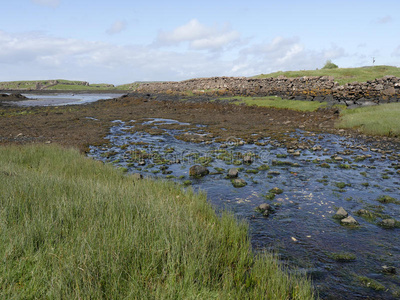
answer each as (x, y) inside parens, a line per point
(320, 88)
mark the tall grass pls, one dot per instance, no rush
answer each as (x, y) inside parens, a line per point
(377, 120)
(342, 75)
(73, 228)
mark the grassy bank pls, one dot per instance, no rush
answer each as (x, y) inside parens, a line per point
(377, 120)
(342, 75)
(276, 102)
(71, 228)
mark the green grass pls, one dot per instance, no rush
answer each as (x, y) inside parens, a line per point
(276, 102)
(62, 85)
(74, 228)
(376, 120)
(342, 75)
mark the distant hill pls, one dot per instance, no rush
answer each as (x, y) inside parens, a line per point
(58, 84)
(342, 75)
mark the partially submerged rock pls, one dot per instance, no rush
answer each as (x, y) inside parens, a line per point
(349, 221)
(388, 223)
(233, 173)
(265, 209)
(239, 182)
(198, 171)
(341, 213)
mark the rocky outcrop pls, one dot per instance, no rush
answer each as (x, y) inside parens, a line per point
(198, 171)
(317, 88)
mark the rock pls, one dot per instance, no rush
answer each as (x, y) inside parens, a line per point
(142, 163)
(349, 221)
(239, 182)
(264, 207)
(388, 269)
(388, 223)
(233, 173)
(297, 153)
(137, 176)
(247, 159)
(198, 171)
(340, 214)
(338, 158)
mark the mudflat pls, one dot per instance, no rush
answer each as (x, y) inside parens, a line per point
(83, 125)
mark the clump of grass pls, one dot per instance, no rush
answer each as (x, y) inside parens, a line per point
(371, 283)
(343, 256)
(74, 228)
(377, 120)
(387, 199)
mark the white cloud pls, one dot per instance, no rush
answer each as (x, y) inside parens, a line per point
(286, 54)
(396, 52)
(384, 20)
(36, 55)
(199, 36)
(51, 3)
(117, 27)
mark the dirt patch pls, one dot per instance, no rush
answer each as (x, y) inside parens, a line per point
(83, 125)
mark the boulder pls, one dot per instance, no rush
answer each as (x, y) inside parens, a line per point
(349, 221)
(198, 171)
(340, 214)
(233, 173)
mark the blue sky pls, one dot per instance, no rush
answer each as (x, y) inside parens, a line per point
(123, 41)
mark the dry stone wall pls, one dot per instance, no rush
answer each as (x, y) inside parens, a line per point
(320, 88)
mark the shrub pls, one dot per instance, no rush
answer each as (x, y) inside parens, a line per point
(330, 65)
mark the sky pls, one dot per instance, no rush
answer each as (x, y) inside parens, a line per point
(122, 41)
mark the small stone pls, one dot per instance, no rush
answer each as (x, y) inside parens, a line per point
(263, 207)
(233, 173)
(142, 163)
(247, 159)
(338, 158)
(341, 213)
(349, 221)
(297, 153)
(388, 223)
(388, 269)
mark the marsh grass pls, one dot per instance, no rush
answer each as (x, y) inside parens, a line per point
(276, 102)
(73, 228)
(377, 120)
(342, 75)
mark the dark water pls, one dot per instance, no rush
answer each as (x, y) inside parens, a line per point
(301, 228)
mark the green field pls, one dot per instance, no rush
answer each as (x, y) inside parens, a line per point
(376, 120)
(74, 228)
(276, 102)
(341, 75)
(62, 85)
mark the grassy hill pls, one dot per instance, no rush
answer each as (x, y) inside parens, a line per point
(342, 75)
(58, 84)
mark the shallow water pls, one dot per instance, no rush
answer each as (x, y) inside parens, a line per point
(62, 99)
(301, 228)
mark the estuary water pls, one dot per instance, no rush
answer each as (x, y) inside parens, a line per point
(344, 262)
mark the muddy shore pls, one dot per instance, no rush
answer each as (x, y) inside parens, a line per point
(83, 125)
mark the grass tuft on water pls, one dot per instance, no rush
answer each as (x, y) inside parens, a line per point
(74, 228)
